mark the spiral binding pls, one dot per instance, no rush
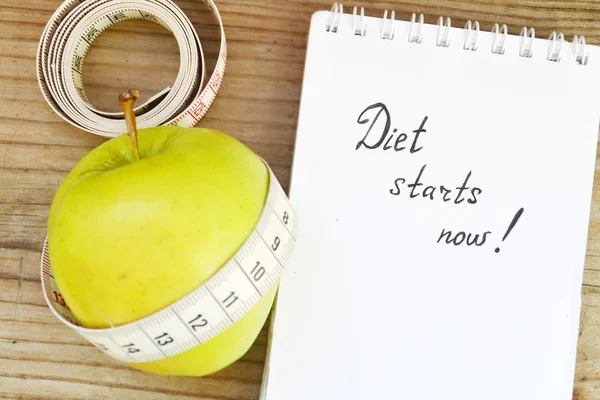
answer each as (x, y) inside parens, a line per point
(470, 42)
(495, 30)
(443, 35)
(525, 48)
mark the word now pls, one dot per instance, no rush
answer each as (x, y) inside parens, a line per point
(461, 237)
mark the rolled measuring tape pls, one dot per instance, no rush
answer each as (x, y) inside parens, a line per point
(210, 309)
(68, 36)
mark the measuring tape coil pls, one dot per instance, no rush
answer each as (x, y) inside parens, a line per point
(255, 268)
(68, 36)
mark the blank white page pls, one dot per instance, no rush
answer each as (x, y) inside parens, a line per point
(396, 290)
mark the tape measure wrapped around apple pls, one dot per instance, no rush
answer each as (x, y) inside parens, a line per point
(165, 247)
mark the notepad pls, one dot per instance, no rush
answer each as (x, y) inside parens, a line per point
(442, 178)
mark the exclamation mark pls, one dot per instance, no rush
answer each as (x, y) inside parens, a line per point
(511, 226)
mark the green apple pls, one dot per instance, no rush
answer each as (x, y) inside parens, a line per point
(131, 233)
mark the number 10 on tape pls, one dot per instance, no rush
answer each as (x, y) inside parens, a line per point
(210, 309)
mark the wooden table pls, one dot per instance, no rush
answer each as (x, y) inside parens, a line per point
(258, 104)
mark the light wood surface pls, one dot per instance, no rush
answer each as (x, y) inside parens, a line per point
(258, 104)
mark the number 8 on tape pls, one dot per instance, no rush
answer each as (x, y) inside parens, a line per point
(210, 309)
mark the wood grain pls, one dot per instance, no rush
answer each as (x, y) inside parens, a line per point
(258, 104)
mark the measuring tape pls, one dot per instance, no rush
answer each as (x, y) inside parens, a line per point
(210, 309)
(255, 268)
(68, 36)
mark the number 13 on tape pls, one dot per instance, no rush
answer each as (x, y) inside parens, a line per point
(210, 309)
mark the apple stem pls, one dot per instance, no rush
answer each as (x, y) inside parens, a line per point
(127, 100)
